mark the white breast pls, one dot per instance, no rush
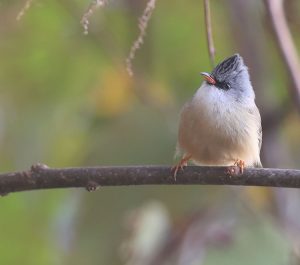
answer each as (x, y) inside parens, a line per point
(216, 130)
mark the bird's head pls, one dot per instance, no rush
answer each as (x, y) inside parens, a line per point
(231, 77)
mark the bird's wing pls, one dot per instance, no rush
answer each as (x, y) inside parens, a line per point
(260, 137)
(259, 133)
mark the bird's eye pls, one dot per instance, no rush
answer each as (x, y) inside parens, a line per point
(222, 85)
(226, 86)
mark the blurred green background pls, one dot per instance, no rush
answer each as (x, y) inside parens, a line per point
(67, 100)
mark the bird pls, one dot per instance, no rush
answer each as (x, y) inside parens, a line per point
(221, 124)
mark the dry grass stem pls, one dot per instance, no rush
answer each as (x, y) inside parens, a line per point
(25, 8)
(143, 23)
(89, 12)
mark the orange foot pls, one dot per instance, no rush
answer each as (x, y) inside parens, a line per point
(240, 164)
(180, 165)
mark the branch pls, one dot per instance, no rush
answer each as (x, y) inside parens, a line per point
(209, 37)
(42, 177)
(286, 45)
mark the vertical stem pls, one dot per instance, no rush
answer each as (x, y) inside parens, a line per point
(286, 45)
(209, 37)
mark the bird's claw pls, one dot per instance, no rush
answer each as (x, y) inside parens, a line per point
(177, 167)
(230, 171)
(241, 164)
(180, 165)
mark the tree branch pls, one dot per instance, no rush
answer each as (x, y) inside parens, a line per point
(42, 177)
(286, 45)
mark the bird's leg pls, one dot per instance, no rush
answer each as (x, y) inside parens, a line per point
(240, 164)
(180, 165)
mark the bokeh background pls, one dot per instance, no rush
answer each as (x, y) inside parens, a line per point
(67, 100)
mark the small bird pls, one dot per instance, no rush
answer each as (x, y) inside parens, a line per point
(221, 124)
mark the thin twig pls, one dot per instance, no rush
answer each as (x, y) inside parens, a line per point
(25, 8)
(143, 24)
(209, 36)
(42, 177)
(90, 10)
(286, 45)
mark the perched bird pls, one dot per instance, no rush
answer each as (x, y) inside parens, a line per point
(221, 124)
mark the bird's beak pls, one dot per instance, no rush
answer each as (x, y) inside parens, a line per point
(209, 79)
